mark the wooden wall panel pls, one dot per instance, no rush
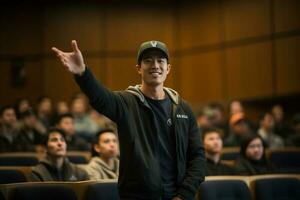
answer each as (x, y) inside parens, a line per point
(246, 18)
(127, 27)
(201, 77)
(199, 24)
(288, 65)
(31, 88)
(249, 71)
(83, 23)
(287, 15)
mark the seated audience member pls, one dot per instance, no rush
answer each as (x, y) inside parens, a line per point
(85, 126)
(21, 106)
(266, 131)
(74, 142)
(29, 138)
(203, 119)
(105, 163)
(294, 138)
(62, 107)
(252, 160)
(235, 106)
(8, 128)
(239, 127)
(280, 125)
(45, 110)
(55, 166)
(213, 145)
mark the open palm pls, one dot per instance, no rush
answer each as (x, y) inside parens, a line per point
(73, 61)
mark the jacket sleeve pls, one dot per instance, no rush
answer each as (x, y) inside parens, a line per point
(195, 166)
(103, 100)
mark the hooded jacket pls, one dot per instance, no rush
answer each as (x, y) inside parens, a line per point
(140, 176)
(47, 171)
(97, 169)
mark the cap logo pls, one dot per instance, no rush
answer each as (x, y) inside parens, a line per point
(153, 43)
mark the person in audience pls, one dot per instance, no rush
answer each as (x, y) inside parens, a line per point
(213, 145)
(235, 106)
(44, 110)
(238, 128)
(84, 125)
(294, 138)
(55, 166)
(280, 125)
(266, 131)
(217, 118)
(29, 138)
(21, 106)
(203, 120)
(75, 143)
(252, 160)
(62, 107)
(8, 128)
(105, 163)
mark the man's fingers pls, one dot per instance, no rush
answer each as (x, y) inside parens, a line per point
(56, 50)
(74, 46)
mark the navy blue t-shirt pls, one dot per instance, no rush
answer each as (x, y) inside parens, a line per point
(167, 153)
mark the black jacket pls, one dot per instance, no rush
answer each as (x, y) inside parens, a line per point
(139, 164)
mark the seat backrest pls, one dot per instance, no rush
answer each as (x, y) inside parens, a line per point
(286, 161)
(43, 192)
(8, 160)
(224, 190)
(230, 153)
(277, 189)
(77, 159)
(11, 176)
(102, 191)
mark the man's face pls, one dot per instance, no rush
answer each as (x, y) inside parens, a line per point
(30, 121)
(213, 143)
(268, 122)
(9, 117)
(154, 68)
(107, 145)
(78, 106)
(255, 149)
(56, 145)
(67, 125)
(46, 106)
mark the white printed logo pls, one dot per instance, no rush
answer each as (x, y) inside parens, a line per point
(169, 122)
(153, 43)
(182, 116)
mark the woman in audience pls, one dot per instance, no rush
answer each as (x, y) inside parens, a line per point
(252, 159)
(105, 162)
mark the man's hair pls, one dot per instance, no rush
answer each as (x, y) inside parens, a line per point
(207, 131)
(4, 108)
(97, 137)
(40, 99)
(59, 118)
(51, 131)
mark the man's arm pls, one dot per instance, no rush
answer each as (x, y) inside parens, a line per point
(102, 99)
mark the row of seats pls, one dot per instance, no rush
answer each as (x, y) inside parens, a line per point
(31, 159)
(263, 187)
(85, 190)
(285, 159)
(268, 187)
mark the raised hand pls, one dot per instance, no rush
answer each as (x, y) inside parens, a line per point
(73, 61)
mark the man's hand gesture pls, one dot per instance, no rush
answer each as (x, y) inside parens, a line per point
(73, 61)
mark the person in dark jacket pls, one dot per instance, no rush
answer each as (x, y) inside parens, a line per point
(213, 144)
(55, 166)
(161, 154)
(252, 160)
(74, 142)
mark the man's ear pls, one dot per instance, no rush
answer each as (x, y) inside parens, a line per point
(96, 148)
(169, 68)
(138, 68)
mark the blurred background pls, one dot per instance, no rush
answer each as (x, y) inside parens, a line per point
(220, 49)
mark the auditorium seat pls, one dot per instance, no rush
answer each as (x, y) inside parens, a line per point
(18, 160)
(42, 191)
(277, 189)
(286, 160)
(102, 191)
(224, 190)
(11, 176)
(230, 153)
(79, 157)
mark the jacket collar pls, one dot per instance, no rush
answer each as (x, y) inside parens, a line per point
(135, 90)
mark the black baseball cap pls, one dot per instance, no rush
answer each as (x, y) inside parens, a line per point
(153, 44)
